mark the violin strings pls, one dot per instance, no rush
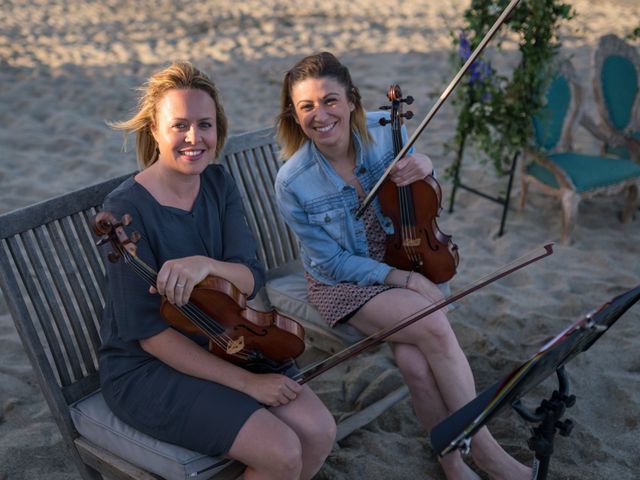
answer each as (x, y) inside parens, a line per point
(407, 214)
(213, 330)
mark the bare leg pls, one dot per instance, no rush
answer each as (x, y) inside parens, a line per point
(451, 374)
(268, 447)
(287, 442)
(314, 426)
(428, 404)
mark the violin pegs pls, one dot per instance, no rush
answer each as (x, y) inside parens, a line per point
(384, 121)
(114, 257)
(102, 241)
(408, 115)
(408, 100)
(135, 236)
(126, 219)
(385, 107)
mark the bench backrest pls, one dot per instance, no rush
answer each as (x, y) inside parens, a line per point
(52, 274)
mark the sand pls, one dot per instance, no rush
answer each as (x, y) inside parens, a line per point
(68, 68)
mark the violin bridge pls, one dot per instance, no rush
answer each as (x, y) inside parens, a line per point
(235, 346)
(411, 242)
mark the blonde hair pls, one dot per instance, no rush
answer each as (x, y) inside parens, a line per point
(289, 133)
(177, 76)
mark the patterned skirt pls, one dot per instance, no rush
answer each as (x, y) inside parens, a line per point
(337, 303)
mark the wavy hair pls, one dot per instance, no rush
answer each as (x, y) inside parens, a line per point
(289, 134)
(177, 76)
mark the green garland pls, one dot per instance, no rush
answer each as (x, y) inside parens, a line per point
(495, 111)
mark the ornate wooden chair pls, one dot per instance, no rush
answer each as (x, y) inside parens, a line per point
(616, 87)
(553, 167)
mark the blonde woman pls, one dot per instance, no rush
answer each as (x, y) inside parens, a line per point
(191, 220)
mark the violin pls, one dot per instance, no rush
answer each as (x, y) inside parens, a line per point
(417, 243)
(258, 341)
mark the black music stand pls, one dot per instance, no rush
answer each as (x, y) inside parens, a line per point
(456, 431)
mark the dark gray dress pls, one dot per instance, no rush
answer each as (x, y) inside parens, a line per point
(140, 389)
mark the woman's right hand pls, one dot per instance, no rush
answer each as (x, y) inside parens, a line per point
(416, 282)
(177, 278)
(425, 287)
(273, 389)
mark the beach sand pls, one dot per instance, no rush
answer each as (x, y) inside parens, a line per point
(67, 68)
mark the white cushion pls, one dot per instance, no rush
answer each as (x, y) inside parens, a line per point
(95, 421)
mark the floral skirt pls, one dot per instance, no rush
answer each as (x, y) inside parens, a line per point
(337, 303)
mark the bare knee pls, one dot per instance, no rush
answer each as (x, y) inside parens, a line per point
(319, 434)
(412, 364)
(435, 334)
(269, 448)
(284, 459)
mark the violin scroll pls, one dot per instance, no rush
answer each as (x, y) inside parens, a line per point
(394, 94)
(111, 231)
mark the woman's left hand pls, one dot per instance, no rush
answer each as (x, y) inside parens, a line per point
(177, 278)
(411, 169)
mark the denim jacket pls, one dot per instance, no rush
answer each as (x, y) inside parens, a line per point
(320, 207)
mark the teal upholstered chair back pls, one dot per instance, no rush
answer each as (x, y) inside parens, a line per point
(619, 80)
(548, 123)
(616, 87)
(552, 126)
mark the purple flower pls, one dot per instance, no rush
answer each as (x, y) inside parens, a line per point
(465, 47)
(479, 71)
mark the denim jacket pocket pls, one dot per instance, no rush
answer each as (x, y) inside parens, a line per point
(332, 221)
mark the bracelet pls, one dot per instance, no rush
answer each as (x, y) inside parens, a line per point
(406, 283)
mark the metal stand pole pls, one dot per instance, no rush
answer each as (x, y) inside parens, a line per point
(548, 416)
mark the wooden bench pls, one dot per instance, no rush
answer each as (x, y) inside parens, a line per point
(52, 276)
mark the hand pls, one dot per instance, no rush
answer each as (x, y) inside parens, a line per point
(425, 287)
(177, 278)
(411, 169)
(273, 389)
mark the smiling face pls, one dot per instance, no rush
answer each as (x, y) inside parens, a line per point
(185, 130)
(323, 111)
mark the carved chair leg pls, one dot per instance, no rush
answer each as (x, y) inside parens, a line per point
(570, 200)
(631, 204)
(524, 188)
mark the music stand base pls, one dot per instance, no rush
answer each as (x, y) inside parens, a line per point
(548, 417)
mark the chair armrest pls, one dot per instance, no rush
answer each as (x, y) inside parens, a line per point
(612, 138)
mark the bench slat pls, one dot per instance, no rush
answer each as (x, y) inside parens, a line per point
(254, 172)
(56, 299)
(287, 238)
(83, 222)
(74, 299)
(92, 300)
(37, 296)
